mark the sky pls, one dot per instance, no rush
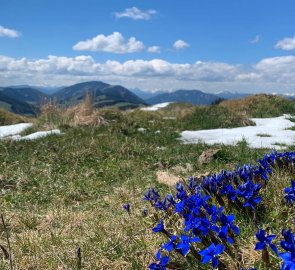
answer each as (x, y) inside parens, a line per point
(210, 45)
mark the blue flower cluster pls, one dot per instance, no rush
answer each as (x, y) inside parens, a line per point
(290, 193)
(203, 223)
(287, 244)
(242, 186)
(206, 231)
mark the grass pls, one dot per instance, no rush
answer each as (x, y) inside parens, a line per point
(263, 135)
(63, 192)
(261, 106)
(8, 118)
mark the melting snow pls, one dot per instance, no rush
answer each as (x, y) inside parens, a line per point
(276, 128)
(40, 134)
(11, 130)
(156, 107)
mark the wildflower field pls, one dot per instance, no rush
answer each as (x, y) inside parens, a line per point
(199, 221)
(90, 198)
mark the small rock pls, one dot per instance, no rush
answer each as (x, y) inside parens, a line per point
(142, 130)
(166, 178)
(207, 156)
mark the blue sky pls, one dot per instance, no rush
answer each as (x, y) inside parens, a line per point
(211, 45)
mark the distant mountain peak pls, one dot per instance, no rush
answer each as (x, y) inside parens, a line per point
(103, 95)
(196, 97)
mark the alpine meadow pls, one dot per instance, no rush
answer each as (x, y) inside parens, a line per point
(147, 135)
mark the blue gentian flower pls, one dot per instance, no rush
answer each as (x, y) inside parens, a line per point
(159, 227)
(211, 253)
(222, 234)
(252, 202)
(229, 191)
(289, 243)
(170, 199)
(181, 193)
(126, 207)
(290, 193)
(263, 172)
(162, 262)
(170, 244)
(179, 207)
(288, 260)
(203, 226)
(249, 192)
(229, 221)
(214, 212)
(161, 205)
(152, 195)
(184, 244)
(202, 218)
(264, 241)
(192, 185)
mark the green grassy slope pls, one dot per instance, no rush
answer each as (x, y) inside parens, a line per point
(8, 118)
(62, 192)
(261, 106)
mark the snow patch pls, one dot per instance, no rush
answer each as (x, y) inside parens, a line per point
(11, 130)
(277, 127)
(156, 107)
(39, 134)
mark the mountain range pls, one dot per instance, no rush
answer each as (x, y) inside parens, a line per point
(103, 94)
(195, 97)
(27, 100)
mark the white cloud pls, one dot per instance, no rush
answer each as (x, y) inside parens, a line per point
(114, 43)
(286, 44)
(136, 14)
(154, 49)
(180, 44)
(270, 74)
(256, 39)
(85, 68)
(248, 77)
(277, 69)
(6, 32)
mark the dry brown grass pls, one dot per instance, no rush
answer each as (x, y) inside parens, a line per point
(8, 118)
(261, 105)
(177, 110)
(240, 105)
(248, 255)
(83, 114)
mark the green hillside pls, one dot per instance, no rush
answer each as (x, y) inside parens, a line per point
(102, 94)
(64, 192)
(261, 105)
(16, 106)
(8, 118)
